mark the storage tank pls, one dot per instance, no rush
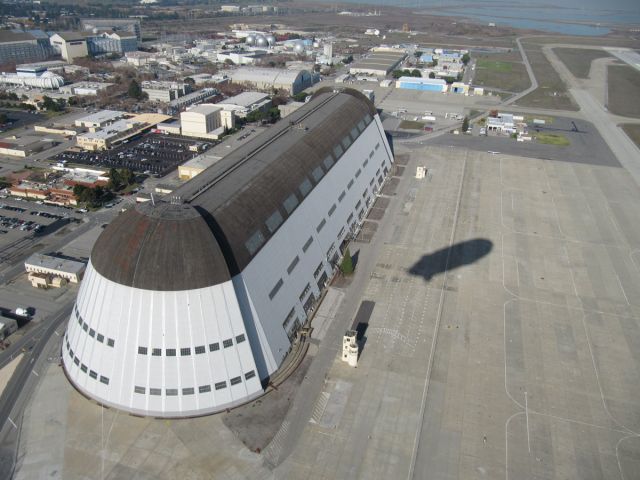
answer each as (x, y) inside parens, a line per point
(271, 39)
(250, 40)
(261, 41)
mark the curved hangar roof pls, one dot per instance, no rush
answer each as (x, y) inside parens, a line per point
(230, 210)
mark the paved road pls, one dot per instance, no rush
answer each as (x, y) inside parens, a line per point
(24, 380)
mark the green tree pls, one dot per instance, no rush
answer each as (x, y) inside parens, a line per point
(397, 73)
(135, 91)
(346, 266)
(466, 58)
(115, 182)
(416, 73)
(465, 124)
(417, 54)
(190, 81)
(51, 105)
(432, 75)
(300, 97)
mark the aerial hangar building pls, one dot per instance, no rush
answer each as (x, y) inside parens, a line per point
(188, 306)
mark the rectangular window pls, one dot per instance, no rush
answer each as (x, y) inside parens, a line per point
(305, 187)
(172, 392)
(317, 174)
(249, 375)
(346, 142)
(137, 389)
(293, 264)
(236, 380)
(111, 342)
(214, 347)
(364, 194)
(377, 146)
(171, 352)
(100, 338)
(371, 182)
(358, 172)
(156, 352)
(304, 292)
(365, 163)
(367, 119)
(371, 154)
(200, 350)
(185, 352)
(328, 162)
(204, 388)
(290, 203)
(155, 391)
(93, 374)
(337, 151)
(287, 320)
(350, 184)
(321, 225)
(275, 289)
(85, 327)
(380, 180)
(361, 126)
(142, 350)
(104, 380)
(76, 360)
(307, 244)
(332, 209)
(355, 133)
(255, 242)
(342, 195)
(92, 332)
(318, 270)
(79, 321)
(188, 391)
(240, 338)
(359, 204)
(221, 385)
(378, 172)
(350, 219)
(83, 367)
(340, 233)
(227, 343)
(274, 221)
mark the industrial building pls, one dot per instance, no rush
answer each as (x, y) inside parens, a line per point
(119, 43)
(190, 99)
(190, 304)
(99, 119)
(206, 121)
(246, 103)
(268, 79)
(159, 91)
(85, 88)
(119, 25)
(69, 45)
(379, 63)
(48, 265)
(29, 46)
(422, 84)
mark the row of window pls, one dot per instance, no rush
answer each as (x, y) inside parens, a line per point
(92, 373)
(92, 333)
(276, 219)
(186, 351)
(280, 282)
(172, 392)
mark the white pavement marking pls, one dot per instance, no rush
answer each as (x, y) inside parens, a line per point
(35, 373)
(526, 412)
(11, 422)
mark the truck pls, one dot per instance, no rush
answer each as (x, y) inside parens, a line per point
(429, 118)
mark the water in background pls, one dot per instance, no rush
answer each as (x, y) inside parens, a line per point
(572, 17)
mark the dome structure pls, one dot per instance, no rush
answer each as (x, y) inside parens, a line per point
(47, 80)
(261, 41)
(250, 39)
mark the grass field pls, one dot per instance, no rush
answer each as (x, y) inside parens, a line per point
(552, 91)
(624, 91)
(503, 71)
(552, 139)
(633, 132)
(578, 60)
(411, 125)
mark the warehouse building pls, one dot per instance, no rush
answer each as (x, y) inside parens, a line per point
(70, 45)
(70, 270)
(246, 103)
(378, 63)
(206, 121)
(118, 43)
(159, 91)
(190, 305)
(18, 46)
(268, 79)
(422, 84)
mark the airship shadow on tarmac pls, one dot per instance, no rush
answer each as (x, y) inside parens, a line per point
(458, 255)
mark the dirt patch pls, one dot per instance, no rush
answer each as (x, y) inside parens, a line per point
(256, 423)
(552, 91)
(391, 186)
(633, 132)
(578, 60)
(624, 90)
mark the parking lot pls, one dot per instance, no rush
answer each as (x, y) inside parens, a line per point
(23, 224)
(153, 154)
